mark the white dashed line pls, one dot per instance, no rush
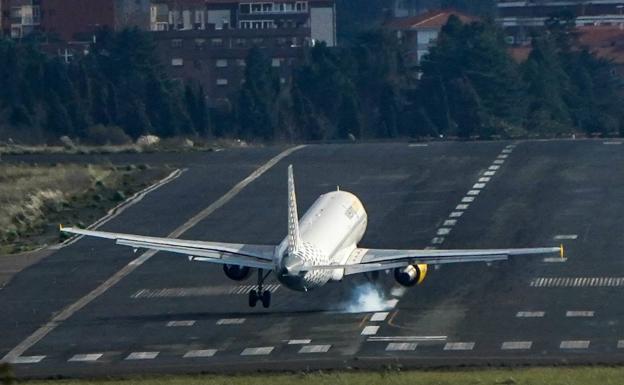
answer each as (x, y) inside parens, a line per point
(503, 156)
(462, 207)
(459, 346)
(484, 179)
(554, 260)
(489, 173)
(473, 192)
(200, 353)
(574, 344)
(437, 240)
(516, 345)
(180, 323)
(456, 214)
(406, 338)
(577, 313)
(401, 346)
(499, 161)
(86, 357)
(142, 356)
(379, 316)
(370, 330)
(562, 237)
(443, 231)
(612, 143)
(467, 199)
(450, 222)
(26, 360)
(299, 342)
(494, 168)
(231, 321)
(577, 282)
(478, 185)
(530, 314)
(418, 145)
(314, 349)
(261, 351)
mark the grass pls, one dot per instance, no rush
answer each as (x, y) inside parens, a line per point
(530, 376)
(34, 199)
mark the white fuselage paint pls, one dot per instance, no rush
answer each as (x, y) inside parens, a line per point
(330, 231)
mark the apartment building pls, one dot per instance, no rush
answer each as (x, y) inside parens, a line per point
(519, 17)
(207, 42)
(20, 17)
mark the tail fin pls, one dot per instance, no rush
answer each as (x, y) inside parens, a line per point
(294, 241)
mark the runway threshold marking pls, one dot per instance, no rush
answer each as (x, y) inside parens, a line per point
(200, 353)
(406, 338)
(231, 321)
(401, 346)
(370, 330)
(180, 323)
(200, 291)
(314, 349)
(574, 344)
(26, 360)
(379, 316)
(90, 357)
(129, 268)
(459, 346)
(516, 345)
(579, 313)
(261, 351)
(545, 282)
(142, 356)
(530, 314)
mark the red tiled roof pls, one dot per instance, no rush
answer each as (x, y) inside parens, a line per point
(429, 20)
(604, 41)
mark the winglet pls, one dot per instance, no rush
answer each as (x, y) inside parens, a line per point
(562, 251)
(60, 227)
(294, 241)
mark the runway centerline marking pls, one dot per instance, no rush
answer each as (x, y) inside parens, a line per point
(314, 349)
(379, 316)
(401, 346)
(450, 222)
(370, 330)
(261, 351)
(545, 282)
(563, 237)
(129, 268)
(456, 214)
(516, 345)
(459, 346)
(443, 231)
(462, 207)
(231, 321)
(200, 353)
(574, 344)
(142, 355)
(86, 357)
(406, 338)
(579, 313)
(299, 342)
(180, 323)
(530, 314)
(489, 173)
(620, 344)
(26, 360)
(484, 179)
(554, 260)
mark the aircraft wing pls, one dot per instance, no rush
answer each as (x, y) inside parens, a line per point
(366, 260)
(258, 256)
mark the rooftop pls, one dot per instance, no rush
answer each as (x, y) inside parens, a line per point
(435, 19)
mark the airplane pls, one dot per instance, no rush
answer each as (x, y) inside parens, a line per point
(321, 247)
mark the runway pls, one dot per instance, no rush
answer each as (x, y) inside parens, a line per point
(167, 315)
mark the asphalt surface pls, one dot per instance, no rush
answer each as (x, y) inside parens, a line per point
(169, 315)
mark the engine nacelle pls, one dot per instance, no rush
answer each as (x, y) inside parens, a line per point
(236, 272)
(410, 275)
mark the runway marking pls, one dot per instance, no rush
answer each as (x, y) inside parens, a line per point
(530, 314)
(493, 168)
(370, 330)
(200, 353)
(503, 156)
(202, 291)
(261, 351)
(86, 357)
(26, 360)
(418, 145)
(450, 222)
(462, 207)
(443, 231)
(459, 346)
(614, 142)
(563, 237)
(142, 356)
(484, 179)
(620, 344)
(499, 161)
(577, 282)
(391, 303)
(299, 342)
(406, 338)
(516, 345)
(574, 344)
(489, 173)
(120, 208)
(506, 151)
(437, 240)
(577, 313)
(467, 199)
(180, 323)
(399, 291)
(401, 346)
(456, 214)
(314, 349)
(554, 260)
(129, 268)
(231, 321)
(474, 192)
(379, 316)
(478, 185)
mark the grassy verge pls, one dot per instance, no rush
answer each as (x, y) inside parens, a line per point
(531, 376)
(34, 199)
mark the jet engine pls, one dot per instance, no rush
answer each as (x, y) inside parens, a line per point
(410, 275)
(236, 272)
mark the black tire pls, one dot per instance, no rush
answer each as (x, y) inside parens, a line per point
(266, 299)
(253, 298)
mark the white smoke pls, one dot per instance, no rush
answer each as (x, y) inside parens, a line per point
(367, 298)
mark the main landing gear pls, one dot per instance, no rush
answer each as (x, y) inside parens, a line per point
(260, 295)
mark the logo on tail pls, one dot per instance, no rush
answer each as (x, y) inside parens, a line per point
(294, 241)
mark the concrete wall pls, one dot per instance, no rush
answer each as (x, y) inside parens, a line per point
(323, 25)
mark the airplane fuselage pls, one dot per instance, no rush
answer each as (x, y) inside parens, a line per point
(330, 231)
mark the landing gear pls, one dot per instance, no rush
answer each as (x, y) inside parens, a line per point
(260, 295)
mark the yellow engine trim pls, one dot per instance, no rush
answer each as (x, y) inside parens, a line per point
(422, 268)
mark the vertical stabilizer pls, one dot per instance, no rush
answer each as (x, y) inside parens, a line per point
(294, 241)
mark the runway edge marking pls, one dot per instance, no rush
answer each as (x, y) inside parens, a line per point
(44, 330)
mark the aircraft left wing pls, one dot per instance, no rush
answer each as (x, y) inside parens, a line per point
(366, 260)
(258, 256)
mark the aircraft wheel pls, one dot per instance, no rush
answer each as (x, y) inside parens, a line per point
(266, 298)
(253, 298)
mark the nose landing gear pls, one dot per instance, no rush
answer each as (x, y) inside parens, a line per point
(260, 295)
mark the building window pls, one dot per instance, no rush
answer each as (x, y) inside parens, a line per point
(257, 42)
(199, 43)
(177, 62)
(216, 42)
(222, 82)
(276, 62)
(240, 42)
(241, 62)
(267, 7)
(301, 6)
(176, 43)
(256, 8)
(282, 42)
(221, 63)
(245, 9)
